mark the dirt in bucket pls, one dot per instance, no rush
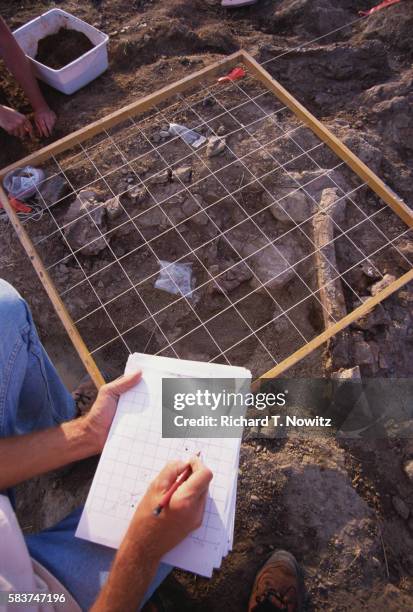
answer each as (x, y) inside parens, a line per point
(58, 50)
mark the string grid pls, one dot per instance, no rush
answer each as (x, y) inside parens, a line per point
(242, 220)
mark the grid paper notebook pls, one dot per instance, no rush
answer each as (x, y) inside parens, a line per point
(135, 452)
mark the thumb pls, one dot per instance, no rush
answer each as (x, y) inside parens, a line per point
(123, 383)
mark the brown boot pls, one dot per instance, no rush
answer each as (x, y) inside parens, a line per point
(278, 585)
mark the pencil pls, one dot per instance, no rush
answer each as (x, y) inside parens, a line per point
(167, 496)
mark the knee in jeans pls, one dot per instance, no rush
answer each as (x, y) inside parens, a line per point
(13, 310)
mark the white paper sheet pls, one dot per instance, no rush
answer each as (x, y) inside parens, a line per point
(134, 454)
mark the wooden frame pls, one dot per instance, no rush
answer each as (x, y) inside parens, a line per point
(220, 67)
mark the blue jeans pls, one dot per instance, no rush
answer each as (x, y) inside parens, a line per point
(32, 397)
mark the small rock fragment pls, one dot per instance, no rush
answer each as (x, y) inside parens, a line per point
(362, 352)
(159, 178)
(382, 284)
(83, 229)
(137, 194)
(292, 207)
(52, 190)
(113, 208)
(408, 470)
(183, 174)
(215, 146)
(376, 316)
(347, 374)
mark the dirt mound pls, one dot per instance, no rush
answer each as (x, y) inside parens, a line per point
(58, 50)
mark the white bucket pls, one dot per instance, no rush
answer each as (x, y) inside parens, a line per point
(82, 70)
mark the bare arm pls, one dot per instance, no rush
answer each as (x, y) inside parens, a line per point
(32, 454)
(149, 537)
(18, 64)
(39, 452)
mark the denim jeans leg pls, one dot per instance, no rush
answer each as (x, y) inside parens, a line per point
(83, 567)
(32, 396)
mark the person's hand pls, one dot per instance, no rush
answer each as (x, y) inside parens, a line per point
(159, 534)
(44, 119)
(99, 418)
(15, 123)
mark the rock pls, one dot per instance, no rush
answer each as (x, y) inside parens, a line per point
(52, 190)
(371, 155)
(160, 178)
(164, 134)
(189, 208)
(183, 174)
(293, 208)
(377, 316)
(369, 270)
(382, 284)
(221, 130)
(215, 146)
(254, 498)
(270, 265)
(408, 470)
(137, 194)
(231, 279)
(347, 374)
(82, 232)
(113, 208)
(401, 507)
(362, 353)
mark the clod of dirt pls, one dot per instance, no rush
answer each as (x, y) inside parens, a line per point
(58, 50)
(231, 279)
(295, 207)
(215, 146)
(183, 174)
(87, 217)
(387, 280)
(408, 470)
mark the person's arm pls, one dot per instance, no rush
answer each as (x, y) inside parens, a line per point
(149, 537)
(18, 64)
(25, 456)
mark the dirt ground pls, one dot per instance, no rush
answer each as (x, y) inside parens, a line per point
(334, 504)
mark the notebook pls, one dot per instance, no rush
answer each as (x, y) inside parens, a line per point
(135, 452)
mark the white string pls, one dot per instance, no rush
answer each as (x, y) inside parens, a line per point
(193, 253)
(258, 227)
(330, 177)
(169, 275)
(123, 270)
(269, 281)
(287, 213)
(211, 240)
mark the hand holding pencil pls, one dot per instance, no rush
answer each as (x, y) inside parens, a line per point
(173, 505)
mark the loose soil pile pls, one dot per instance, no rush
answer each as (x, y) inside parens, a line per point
(343, 508)
(58, 50)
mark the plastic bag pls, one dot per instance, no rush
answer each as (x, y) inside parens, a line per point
(21, 183)
(175, 278)
(187, 135)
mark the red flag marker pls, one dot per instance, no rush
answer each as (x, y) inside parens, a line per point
(237, 73)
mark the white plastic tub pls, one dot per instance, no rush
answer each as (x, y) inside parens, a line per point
(82, 70)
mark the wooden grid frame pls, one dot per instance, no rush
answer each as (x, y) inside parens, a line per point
(218, 68)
